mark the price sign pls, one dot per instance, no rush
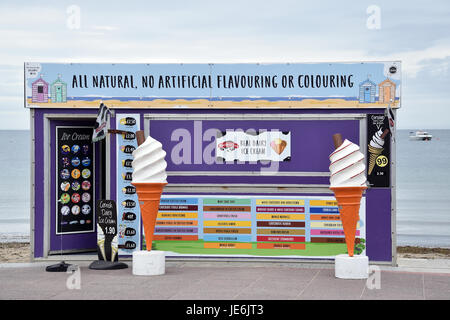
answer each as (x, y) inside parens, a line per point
(378, 151)
(129, 224)
(382, 161)
(110, 231)
(107, 243)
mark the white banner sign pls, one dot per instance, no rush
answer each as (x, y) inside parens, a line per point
(248, 146)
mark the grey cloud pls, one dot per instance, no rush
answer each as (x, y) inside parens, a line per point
(217, 31)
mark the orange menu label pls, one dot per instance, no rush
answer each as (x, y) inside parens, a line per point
(229, 245)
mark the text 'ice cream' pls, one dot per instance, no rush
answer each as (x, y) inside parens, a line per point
(148, 163)
(347, 166)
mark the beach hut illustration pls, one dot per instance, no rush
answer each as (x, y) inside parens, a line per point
(39, 90)
(386, 91)
(58, 90)
(367, 91)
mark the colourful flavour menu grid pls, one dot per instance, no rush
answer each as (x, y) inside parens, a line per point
(252, 225)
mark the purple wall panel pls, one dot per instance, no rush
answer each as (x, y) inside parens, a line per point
(39, 189)
(39, 185)
(311, 142)
(228, 180)
(378, 220)
(70, 241)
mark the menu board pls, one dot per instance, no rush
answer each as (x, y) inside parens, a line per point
(280, 223)
(128, 210)
(177, 219)
(75, 180)
(227, 223)
(253, 226)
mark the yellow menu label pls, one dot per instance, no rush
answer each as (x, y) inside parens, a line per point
(280, 202)
(215, 223)
(323, 203)
(188, 215)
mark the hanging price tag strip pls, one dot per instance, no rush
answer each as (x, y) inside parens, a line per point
(129, 222)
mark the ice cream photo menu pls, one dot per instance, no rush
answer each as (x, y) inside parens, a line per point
(75, 180)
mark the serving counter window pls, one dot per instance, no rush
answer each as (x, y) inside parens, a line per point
(259, 145)
(254, 180)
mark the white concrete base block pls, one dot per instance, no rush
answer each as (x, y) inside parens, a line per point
(346, 267)
(149, 263)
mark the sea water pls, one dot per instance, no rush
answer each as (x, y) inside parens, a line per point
(14, 186)
(423, 188)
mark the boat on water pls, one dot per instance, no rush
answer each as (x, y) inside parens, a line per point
(420, 135)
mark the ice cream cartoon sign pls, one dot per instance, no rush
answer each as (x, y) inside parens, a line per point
(378, 151)
(253, 146)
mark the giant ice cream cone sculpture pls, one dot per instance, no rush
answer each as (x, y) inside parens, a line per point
(348, 199)
(376, 148)
(149, 178)
(347, 181)
(149, 195)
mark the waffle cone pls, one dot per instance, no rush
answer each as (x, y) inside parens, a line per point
(374, 153)
(149, 195)
(349, 199)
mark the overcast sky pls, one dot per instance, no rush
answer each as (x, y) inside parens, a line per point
(416, 33)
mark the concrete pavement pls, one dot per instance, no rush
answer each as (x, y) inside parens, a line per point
(208, 280)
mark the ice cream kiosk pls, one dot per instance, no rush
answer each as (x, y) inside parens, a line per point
(247, 151)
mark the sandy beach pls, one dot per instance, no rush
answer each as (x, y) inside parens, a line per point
(221, 104)
(14, 252)
(20, 252)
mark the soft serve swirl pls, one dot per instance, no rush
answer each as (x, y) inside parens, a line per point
(347, 166)
(377, 141)
(148, 162)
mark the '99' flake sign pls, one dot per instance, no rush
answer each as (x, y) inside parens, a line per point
(378, 151)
